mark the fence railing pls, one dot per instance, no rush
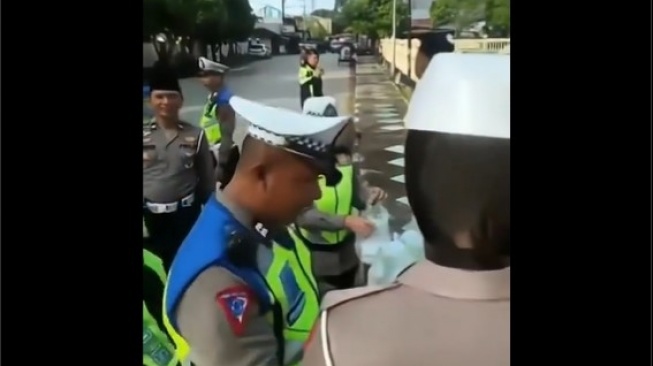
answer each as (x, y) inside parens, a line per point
(402, 60)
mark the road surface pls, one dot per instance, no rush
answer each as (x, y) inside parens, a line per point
(370, 95)
(272, 82)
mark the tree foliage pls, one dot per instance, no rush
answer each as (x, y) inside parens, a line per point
(374, 17)
(497, 17)
(338, 22)
(208, 21)
(463, 13)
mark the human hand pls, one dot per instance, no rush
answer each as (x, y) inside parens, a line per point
(359, 225)
(376, 195)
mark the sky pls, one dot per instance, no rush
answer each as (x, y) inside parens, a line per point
(293, 7)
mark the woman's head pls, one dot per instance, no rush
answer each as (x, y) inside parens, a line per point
(312, 57)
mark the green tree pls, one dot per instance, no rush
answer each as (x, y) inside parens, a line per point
(457, 13)
(240, 23)
(373, 18)
(208, 22)
(324, 13)
(497, 17)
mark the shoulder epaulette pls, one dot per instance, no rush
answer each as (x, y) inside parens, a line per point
(335, 298)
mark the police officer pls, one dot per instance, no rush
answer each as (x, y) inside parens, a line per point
(454, 308)
(329, 228)
(310, 76)
(235, 296)
(218, 118)
(177, 168)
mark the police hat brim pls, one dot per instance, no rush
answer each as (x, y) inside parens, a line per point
(202, 73)
(284, 122)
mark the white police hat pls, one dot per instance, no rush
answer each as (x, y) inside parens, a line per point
(326, 107)
(307, 135)
(207, 66)
(464, 94)
(320, 106)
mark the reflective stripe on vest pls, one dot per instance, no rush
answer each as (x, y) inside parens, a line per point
(151, 261)
(294, 288)
(336, 200)
(209, 122)
(157, 350)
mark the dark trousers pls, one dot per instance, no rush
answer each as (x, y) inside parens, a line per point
(168, 230)
(342, 281)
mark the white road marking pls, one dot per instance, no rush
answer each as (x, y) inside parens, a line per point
(389, 120)
(399, 149)
(399, 178)
(397, 162)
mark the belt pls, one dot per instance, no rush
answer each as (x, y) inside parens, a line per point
(160, 208)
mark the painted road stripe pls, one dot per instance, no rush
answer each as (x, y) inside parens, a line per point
(399, 178)
(392, 128)
(399, 149)
(386, 114)
(397, 162)
(389, 120)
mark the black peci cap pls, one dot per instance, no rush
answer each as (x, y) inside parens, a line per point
(163, 78)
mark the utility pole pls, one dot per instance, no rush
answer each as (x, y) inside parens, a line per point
(410, 37)
(283, 10)
(394, 36)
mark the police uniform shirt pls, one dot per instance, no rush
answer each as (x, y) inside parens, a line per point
(432, 315)
(331, 263)
(210, 329)
(178, 165)
(174, 168)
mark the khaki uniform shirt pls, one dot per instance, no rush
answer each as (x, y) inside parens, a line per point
(176, 167)
(432, 316)
(209, 328)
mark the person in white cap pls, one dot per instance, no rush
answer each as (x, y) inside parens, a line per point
(218, 118)
(238, 298)
(330, 226)
(454, 307)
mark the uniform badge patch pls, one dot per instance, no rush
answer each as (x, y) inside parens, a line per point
(234, 302)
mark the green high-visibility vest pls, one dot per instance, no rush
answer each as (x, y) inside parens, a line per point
(157, 348)
(336, 200)
(210, 122)
(294, 288)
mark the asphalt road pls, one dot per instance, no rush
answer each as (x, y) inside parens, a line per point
(369, 95)
(272, 82)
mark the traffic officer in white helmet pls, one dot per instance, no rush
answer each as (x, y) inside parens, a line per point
(454, 307)
(237, 297)
(218, 118)
(329, 228)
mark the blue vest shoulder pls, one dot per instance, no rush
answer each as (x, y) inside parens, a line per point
(206, 245)
(224, 96)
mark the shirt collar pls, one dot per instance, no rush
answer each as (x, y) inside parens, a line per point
(457, 283)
